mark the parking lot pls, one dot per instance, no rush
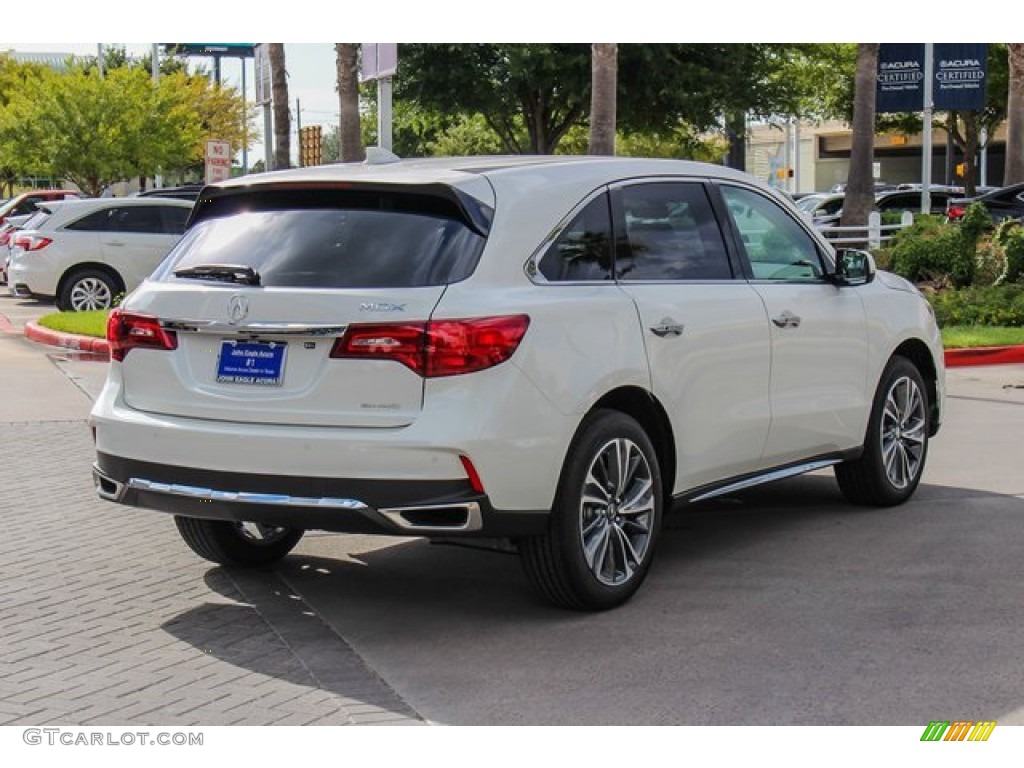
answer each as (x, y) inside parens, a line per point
(782, 605)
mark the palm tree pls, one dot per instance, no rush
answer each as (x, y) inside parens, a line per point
(282, 121)
(603, 75)
(350, 135)
(860, 183)
(1014, 169)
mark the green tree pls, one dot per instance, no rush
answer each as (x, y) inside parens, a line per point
(350, 132)
(532, 95)
(604, 65)
(1015, 116)
(282, 118)
(15, 79)
(860, 188)
(94, 132)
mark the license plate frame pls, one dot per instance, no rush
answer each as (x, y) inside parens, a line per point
(251, 362)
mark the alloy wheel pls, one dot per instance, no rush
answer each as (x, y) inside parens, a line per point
(617, 512)
(90, 293)
(903, 432)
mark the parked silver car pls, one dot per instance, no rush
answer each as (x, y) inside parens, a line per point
(85, 253)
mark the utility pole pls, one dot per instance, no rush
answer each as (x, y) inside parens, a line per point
(99, 58)
(926, 139)
(158, 179)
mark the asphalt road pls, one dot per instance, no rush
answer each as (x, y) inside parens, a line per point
(783, 605)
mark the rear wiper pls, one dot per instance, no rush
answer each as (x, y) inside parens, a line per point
(228, 273)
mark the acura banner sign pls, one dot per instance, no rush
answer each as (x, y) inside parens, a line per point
(959, 73)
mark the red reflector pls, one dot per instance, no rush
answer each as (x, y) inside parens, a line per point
(474, 476)
(127, 330)
(437, 348)
(955, 212)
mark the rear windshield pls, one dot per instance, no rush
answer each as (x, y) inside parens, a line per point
(332, 240)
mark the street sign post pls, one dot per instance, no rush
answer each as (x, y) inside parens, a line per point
(218, 161)
(380, 63)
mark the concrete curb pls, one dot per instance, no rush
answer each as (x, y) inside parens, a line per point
(94, 346)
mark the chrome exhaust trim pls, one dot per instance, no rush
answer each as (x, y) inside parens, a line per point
(466, 516)
(107, 487)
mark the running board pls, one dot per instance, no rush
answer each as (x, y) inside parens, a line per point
(767, 477)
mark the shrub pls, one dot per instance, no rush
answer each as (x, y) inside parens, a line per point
(930, 251)
(1010, 236)
(980, 305)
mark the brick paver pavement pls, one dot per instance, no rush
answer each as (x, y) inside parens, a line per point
(106, 618)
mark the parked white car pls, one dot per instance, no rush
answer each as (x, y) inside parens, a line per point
(85, 253)
(546, 350)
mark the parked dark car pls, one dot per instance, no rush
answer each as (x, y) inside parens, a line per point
(1003, 203)
(897, 202)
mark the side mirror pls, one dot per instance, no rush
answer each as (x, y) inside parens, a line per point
(853, 267)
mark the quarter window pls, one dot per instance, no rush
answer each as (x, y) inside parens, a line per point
(776, 245)
(672, 234)
(583, 249)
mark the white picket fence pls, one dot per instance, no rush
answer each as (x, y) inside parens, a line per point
(874, 234)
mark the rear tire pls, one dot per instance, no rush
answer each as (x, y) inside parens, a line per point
(247, 545)
(88, 289)
(896, 445)
(605, 519)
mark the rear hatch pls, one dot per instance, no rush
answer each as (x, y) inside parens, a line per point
(248, 309)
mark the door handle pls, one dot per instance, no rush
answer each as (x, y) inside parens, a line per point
(786, 320)
(668, 327)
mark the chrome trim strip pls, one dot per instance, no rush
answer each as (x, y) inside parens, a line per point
(257, 329)
(244, 497)
(474, 519)
(768, 477)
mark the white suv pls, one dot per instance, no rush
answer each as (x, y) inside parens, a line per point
(85, 253)
(545, 350)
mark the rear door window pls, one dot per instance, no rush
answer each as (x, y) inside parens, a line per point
(672, 234)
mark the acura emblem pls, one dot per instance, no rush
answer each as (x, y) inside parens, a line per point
(238, 308)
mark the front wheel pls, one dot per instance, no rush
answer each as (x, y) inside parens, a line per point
(241, 544)
(605, 519)
(896, 445)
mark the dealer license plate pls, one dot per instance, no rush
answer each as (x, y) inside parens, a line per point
(251, 362)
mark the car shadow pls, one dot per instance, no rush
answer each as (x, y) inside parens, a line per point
(784, 594)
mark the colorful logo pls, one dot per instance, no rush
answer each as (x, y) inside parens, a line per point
(958, 730)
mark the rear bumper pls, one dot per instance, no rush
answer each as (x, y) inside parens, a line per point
(431, 508)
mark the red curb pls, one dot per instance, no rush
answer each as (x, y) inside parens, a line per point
(6, 326)
(67, 340)
(956, 358)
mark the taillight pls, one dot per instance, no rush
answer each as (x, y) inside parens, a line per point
(439, 347)
(955, 212)
(126, 331)
(5, 236)
(32, 242)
